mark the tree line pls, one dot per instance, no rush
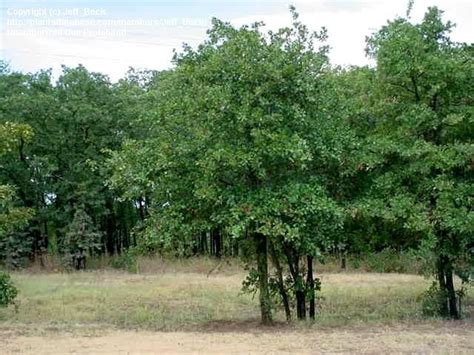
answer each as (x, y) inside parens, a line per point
(253, 146)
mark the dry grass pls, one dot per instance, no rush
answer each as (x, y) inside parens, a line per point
(168, 301)
(47, 263)
(180, 295)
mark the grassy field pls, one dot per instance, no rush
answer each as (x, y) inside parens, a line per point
(179, 307)
(183, 296)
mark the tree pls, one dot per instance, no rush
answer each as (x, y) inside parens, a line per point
(81, 239)
(76, 121)
(242, 142)
(8, 291)
(419, 152)
(12, 217)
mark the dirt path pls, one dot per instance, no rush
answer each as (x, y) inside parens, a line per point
(441, 338)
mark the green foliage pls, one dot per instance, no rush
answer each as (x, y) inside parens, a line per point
(420, 155)
(15, 248)
(76, 121)
(14, 244)
(12, 134)
(126, 261)
(242, 140)
(390, 260)
(11, 217)
(81, 235)
(8, 291)
(432, 300)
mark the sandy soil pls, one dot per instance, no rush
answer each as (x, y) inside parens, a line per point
(447, 337)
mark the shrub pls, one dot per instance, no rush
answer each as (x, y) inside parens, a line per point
(388, 260)
(432, 301)
(126, 261)
(8, 291)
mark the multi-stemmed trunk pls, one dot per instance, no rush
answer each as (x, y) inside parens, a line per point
(449, 306)
(281, 283)
(298, 283)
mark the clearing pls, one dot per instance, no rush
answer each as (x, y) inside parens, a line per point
(178, 310)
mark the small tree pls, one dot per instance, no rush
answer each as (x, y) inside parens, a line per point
(8, 291)
(81, 239)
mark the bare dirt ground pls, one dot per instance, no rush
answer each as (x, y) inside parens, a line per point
(443, 337)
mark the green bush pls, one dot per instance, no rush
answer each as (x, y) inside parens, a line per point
(432, 301)
(8, 291)
(126, 261)
(387, 260)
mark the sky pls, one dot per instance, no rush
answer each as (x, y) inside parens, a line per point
(109, 36)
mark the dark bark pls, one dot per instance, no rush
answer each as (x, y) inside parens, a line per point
(451, 294)
(262, 269)
(281, 283)
(449, 305)
(300, 304)
(79, 260)
(299, 293)
(442, 286)
(211, 243)
(141, 208)
(343, 262)
(293, 264)
(203, 243)
(310, 286)
(112, 243)
(216, 242)
(415, 89)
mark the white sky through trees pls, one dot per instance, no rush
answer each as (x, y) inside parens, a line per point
(110, 36)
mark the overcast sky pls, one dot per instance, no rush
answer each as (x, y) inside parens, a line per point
(110, 36)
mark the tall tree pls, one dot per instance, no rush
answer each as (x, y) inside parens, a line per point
(420, 151)
(76, 121)
(243, 143)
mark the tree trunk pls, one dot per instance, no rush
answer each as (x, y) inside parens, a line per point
(203, 244)
(300, 304)
(343, 262)
(211, 243)
(293, 263)
(281, 284)
(216, 241)
(453, 307)
(141, 208)
(299, 291)
(449, 306)
(262, 269)
(310, 286)
(440, 265)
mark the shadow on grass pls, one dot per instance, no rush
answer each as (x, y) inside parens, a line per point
(242, 326)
